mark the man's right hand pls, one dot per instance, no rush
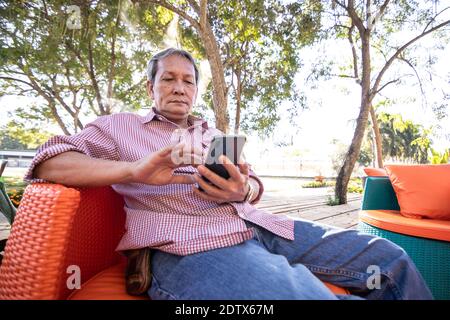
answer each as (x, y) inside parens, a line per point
(158, 168)
(77, 169)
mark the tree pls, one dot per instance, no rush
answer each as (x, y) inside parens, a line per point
(358, 21)
(403, 140)
(251, 48)
(259, 43)
(78, 60)
(17, 136)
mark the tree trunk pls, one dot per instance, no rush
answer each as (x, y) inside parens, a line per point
(237, 120)
(352, 154)
(218, 77)
(377, 135)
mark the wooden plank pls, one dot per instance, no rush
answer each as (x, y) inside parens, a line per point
(313, 208)
(345, 220)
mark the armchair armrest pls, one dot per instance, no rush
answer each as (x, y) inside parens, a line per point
(57, 227)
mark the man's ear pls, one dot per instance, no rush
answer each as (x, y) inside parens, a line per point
(150, 89)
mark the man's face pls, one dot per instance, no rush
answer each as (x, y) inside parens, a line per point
(174, 90)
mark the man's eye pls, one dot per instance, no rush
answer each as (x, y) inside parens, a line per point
(189, 82)
(167, 79)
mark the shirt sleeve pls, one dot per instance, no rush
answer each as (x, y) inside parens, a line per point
(253, 176)
(94, 140)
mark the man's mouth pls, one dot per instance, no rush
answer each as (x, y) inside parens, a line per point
(178, 101)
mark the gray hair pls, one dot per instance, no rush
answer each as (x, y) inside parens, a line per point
(152, 66)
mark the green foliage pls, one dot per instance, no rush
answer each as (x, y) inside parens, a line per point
(355, 186)
(403, 140)
(438, 158)
(15, 188)
(318, 184)
(259, 42)
(16, 136)
(71, 70)
(332, 200)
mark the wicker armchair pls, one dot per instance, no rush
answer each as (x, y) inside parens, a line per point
(57, 227)
(427, 241)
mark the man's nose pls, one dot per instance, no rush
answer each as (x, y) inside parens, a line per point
(178, 87)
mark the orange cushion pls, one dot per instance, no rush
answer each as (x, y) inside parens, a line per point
(423, 191)
(110, 285)
(106, 285)
(392, 220)
(375, 172)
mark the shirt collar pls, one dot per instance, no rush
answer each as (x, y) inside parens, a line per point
(196, 121)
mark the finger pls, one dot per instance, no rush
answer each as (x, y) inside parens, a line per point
(231, 168)
(208, 188)
(176, 155)
(182, 179)
(213, 177)
(192, 159)
(199, 155)
(166, 150)
(244, 168)
(195, 150)
(205, 196)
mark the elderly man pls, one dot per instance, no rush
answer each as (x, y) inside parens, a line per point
(213, 244)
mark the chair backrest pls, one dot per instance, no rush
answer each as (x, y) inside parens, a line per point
(379, 195)
(57, 228)
(97, 228)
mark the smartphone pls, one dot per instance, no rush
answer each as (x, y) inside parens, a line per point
(229, 145)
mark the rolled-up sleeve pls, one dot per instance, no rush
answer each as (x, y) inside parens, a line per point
(94, 140)
(253, 175)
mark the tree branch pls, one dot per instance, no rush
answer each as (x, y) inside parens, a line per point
(401, 58)
(434, 18)
(17, 80)
(354, 54)
(177, 10)
(94, 79)
(353, 15)
(379, 13)
(386, 84)
(203, 9)
(399, 51)
(112, 64)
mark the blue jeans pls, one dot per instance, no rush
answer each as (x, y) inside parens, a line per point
(271, 267)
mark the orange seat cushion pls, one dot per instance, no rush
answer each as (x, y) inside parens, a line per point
(423, 191)
(106, 285)
(375, 172)
(110, 285)
(392, 220)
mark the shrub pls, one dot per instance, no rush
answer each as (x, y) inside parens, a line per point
(317, 184)
(15, 188)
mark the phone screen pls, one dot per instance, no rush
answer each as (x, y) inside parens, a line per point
(228, 145)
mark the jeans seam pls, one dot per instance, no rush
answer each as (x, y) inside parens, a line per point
(163, 291)
(336, 272)
(392, 284)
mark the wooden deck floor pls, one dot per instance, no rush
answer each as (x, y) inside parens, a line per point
(314, 208)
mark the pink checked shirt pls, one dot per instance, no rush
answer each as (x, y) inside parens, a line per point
(170, 218)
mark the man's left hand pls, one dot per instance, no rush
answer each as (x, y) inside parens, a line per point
(222, 190)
